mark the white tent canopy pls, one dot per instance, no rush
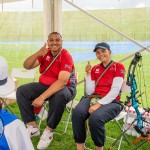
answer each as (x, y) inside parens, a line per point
(9, 1)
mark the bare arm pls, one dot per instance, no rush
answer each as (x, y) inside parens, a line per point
(58, 85)
(32, 61)
(55, 87)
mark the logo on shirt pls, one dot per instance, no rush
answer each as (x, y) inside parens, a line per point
(67, 66)
(1, 128)
(122, 71)
(97, 70)
(48, 58)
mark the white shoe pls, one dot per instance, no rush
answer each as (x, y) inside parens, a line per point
(33, 131)
(45, 139)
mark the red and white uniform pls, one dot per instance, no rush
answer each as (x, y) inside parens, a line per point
(63, 62)
(109, 85)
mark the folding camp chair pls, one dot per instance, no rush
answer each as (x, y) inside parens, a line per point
(41, 113)
(3, 102)
(69, 106)
(116, 119)
(19, 73)
(122, 115)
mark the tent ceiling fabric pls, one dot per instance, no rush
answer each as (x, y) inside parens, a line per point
(9, 1)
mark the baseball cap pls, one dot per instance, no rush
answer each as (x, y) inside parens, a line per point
(102, 45)
(7, 85)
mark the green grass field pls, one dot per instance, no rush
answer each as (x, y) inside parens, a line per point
(28, 26)
(66, 142)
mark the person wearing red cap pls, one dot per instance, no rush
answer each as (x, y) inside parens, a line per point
(104, 82)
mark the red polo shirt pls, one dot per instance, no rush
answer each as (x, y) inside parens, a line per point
(104, 84)
(63, 62)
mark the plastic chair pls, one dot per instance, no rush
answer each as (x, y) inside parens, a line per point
(19, 73)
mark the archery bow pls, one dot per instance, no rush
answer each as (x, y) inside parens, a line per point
(135, 103)
(132, 101)
(132, 83)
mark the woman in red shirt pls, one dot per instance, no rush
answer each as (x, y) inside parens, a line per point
(99, 111)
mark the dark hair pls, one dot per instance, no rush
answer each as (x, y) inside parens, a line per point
(55, 33)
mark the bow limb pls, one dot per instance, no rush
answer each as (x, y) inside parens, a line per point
(133, 85)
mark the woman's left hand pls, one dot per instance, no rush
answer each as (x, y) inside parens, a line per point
(94, 107)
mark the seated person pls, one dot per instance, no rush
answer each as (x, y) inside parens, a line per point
(106, 104)
(57, 85)
(13, 133)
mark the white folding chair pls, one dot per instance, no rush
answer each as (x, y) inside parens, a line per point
(23, 73)
(69, 108)
(19, 73)
(122, 115)
(43, 113)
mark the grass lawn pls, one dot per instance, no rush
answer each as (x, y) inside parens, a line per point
(66, 142)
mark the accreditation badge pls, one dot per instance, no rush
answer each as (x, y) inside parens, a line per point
(94, 101)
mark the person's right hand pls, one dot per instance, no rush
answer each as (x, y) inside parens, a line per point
(88, 67)
(43, 51)
(94, 107)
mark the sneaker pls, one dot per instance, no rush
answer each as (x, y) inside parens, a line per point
(45, 139)
(33, 131)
